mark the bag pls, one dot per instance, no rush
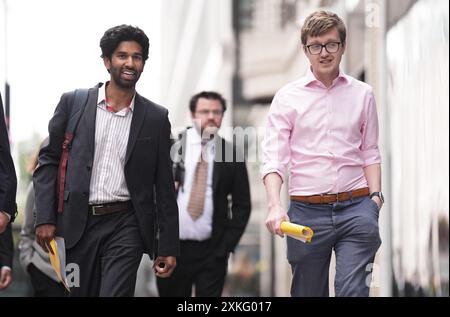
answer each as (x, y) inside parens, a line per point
(79, 103)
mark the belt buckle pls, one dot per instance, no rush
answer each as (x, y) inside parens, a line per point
(94, 212)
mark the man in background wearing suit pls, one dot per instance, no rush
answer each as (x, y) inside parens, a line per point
(207, 185)
(8, 186)
(118, 161)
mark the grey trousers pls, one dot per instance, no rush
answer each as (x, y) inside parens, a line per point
(351, 229)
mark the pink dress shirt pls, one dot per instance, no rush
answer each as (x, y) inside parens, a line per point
(327, 135)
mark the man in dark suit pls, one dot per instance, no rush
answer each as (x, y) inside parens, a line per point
(214, 202)
(8, 185)
(118, 161)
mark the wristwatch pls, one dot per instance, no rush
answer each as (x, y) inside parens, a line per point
(379, 195)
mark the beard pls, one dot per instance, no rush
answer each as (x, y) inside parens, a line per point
(116, 76)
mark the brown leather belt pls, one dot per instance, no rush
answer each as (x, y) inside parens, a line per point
(109, 208)
(332, 198)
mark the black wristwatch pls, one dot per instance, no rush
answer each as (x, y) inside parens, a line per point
(379, 195)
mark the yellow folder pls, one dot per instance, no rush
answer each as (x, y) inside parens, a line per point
(296, 231)
(57, 260)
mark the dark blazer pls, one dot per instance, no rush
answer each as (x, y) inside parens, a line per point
(8, 186)
(6, 247)
(231, 194)
(147, 173)
(8, 180)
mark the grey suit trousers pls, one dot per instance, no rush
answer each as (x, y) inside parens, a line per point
(351, 229)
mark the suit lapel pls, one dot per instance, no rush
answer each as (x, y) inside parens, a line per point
(217, 162)
(91, 114)
(136, 125)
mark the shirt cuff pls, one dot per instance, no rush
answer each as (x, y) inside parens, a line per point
(7, 215)
(269, 169)
(371, 157)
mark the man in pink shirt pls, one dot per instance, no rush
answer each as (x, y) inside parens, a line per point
(325, 126)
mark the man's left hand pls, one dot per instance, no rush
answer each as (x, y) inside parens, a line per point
(5, 278)
(378, 201)
(4, 220)
(164, 266)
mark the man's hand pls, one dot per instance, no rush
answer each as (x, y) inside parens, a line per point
(164, 266)
(272, 183)
(45, 234)
(378, 201)
(5, 277)
(4, 220)
(273, 221)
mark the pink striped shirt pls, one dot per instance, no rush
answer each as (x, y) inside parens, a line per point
(327, 135)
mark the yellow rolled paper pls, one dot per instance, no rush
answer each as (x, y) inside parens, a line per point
(296, 231)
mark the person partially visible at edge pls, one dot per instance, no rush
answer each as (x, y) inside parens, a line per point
(214, 202)
(325, 126)
(8, 207)
(34, 260)
(119, 195)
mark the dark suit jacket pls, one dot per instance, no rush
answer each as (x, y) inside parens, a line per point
(6, 247)
(8, 180)
(8, 185)
(147, 173)
(231, 195)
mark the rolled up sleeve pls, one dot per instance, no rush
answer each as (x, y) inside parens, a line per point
(370, 134)
(275, 146)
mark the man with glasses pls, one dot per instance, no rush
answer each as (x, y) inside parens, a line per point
(325, 126)
(213, 200)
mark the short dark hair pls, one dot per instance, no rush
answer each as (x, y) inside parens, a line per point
(210, 95)
(115, 35)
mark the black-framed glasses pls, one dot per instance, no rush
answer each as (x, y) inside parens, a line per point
(216, 113)
(316, 49)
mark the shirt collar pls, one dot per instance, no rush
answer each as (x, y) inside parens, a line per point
(101, 100)
(310, 78)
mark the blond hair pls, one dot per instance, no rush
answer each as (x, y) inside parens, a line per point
(320, 22)
(34, 159)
